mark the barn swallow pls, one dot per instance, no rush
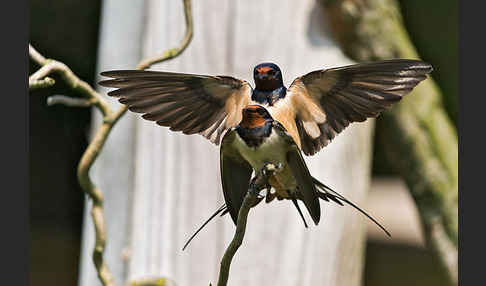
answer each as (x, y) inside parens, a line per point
(260, 140)
(313, 109)
(305, 117)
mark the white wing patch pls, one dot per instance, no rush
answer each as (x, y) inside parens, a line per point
(312, 129)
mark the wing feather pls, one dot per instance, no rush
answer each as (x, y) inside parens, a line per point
(334, 98)
(235, 175)
(208, 105)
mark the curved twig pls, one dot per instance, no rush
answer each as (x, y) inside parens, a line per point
(110, 118)
(43, 83)
(73, 81)
(258, 183)
(36, 56)
(68, 101)
(174, 52)
(237, 239)
(89, 156)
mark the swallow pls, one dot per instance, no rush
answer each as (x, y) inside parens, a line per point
(313, 109)
(260, 140)
(269, 122)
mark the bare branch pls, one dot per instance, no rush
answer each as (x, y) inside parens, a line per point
(96, 196)
(174, 52)
(68, 101)
(72, 80)
(91, 153)
(110, 118)
(43, 83)
(237, 239)
(36, 56)
(258, 183)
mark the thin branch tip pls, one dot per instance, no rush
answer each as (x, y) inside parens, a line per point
(68, 101)
(43, 83)
(173, 52)
(36, 56)
(259, 182)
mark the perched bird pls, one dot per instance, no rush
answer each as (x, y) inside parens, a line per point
(270, 122)
(314, 109)
(256, 141)
(259, 140)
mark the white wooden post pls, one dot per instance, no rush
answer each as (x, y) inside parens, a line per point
(159, 186)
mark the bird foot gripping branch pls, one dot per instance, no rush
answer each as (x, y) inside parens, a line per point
(260, 181)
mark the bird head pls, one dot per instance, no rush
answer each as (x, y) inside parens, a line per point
(267, 77)
(254, 116)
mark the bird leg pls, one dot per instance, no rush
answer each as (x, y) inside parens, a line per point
(260, 181)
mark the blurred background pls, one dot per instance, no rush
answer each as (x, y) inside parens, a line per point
(68, 31)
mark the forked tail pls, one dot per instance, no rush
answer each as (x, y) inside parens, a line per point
(222, 209)
(327, 194)
(324, 192)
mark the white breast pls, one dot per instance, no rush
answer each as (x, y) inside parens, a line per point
(272, 150)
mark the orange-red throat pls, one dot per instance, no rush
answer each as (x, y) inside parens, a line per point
(254, 116)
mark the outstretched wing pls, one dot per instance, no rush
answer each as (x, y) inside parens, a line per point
(208, 105)
(235, 175)
(324, 102)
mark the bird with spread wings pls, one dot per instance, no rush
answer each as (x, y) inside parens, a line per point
(313, 109)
